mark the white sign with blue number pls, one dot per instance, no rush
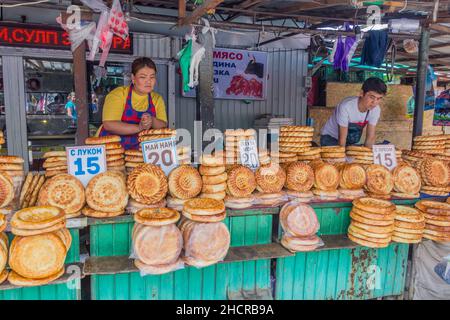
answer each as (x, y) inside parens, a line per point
(249, 153)
(161, 152)
(85, 162)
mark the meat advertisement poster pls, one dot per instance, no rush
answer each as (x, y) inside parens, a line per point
(238, 74)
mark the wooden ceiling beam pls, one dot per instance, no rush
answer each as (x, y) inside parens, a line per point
(200, 11)
(248, 4)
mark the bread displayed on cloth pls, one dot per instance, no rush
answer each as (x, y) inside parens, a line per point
(359, 154)
(147, 184)
(185, 182)
(332, 154)
(300, 225)
(409, 225)
(204, 210)
(437, 219)
(270, 178)
(37, 259)
(204, 243)
(379, 181)
(107, 192)
(63, 191)
(241, 181)
(299, 177)
(372, 222)
(407, 181)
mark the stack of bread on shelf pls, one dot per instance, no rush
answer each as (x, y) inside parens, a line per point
(299, 181)
(133, 158)
(214, 176)
(185, 182)
(379, 181)
(407, 181)
(270, 179)
(359, 154)
(232, 144)
(372, 222)
(409, 225)
(115, 153)
(157, 242)
(295, 140)
(333, 154)
(352, 179)
(30, 189)
(55, 163)
(106, 195)
(437, 219)
(431, 144)
(300, 225)
(241, 183)
(206, 238)
(39, 248)
(326, 180)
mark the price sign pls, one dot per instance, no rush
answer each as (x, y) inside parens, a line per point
(249, 153)
(385, 155)
(85, 162)
(161, 152)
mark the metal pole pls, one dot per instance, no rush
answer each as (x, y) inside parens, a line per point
(205, 97)
(421, 81)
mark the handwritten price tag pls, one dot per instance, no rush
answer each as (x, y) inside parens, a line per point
(249, 153)
(385, 155)
(85, 162)
(161, 152)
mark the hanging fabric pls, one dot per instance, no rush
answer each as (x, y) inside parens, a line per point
(375, 48)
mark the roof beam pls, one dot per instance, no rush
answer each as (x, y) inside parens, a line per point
(248, 4)
(200, 11)
(440, 28)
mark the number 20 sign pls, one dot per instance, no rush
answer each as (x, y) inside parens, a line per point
(385, 155)
(85, 162)
(161, 152)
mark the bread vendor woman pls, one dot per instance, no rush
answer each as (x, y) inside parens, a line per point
(345, 126)
(130, 109)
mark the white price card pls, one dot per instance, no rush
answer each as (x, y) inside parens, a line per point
(161, 152)
(85, 162)
(249, 153)
(384, 154)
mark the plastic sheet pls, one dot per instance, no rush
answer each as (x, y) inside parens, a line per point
(301, 244)
(299, 219)
(443, 269)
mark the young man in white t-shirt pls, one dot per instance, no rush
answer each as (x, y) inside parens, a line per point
(346, 124)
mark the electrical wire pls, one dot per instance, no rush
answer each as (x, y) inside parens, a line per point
(22, 4)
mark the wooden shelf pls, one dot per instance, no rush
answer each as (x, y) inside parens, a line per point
(69, 275)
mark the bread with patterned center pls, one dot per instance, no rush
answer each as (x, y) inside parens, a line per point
(156, 216)
(185, 182)
(203, 206)
(6, 190)
(102, 140)
(326, 176)
(241, 181)
(270, 178)
(406, 179)
(299, 177)
(435, 172)
(147, 184)
(352, 176)
(107, 192)
(379, 179)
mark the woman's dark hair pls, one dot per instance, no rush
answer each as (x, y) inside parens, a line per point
(142, 62)
(374, 84)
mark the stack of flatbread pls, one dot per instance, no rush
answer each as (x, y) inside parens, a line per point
(241, 183)
(437, 220)
(379, 181)
(447, 145)
(352, 180)
(300, 225)
(332, 154)
(435, 176)
(407, 181)
(148, 186)
(185, 183)
(133, 158)
(30, 189)
(214, 177)
(55, 163)
(204, 210)
(283, 158)
(204, 243)
(184, 155)
(155, 134)
(38, 251)
(326, 180)
(63, 191)
(372, 222)
(106, 195)
(6, 193)
(311, 155)
(264, 157)
(409, 225)
(114, 151)
(232, 144)
(270, 180)
(296, 140)
(359, 154)
(413, 158)
(13, 167)
(157, 242)
(3, 254)
(299, 181)
(432, 144)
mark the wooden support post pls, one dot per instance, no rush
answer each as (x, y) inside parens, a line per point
(200, 11)
(205, 95)
(421, 82)
(80, 84)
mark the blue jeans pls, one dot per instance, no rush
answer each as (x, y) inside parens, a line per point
(327, 140)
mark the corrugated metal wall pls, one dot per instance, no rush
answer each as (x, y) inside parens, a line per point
(286, 95)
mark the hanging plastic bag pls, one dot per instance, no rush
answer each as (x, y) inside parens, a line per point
(443, 269)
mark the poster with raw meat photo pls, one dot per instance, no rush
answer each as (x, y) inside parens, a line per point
(238, 74)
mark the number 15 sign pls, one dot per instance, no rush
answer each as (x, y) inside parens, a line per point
(384, 154)
(85, 162)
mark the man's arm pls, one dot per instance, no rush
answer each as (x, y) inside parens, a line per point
(343, 131)
(370, 136)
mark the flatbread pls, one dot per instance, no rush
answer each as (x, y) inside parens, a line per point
(185, 182)
(102, 140)
(107, 192)
(6, 190)
(147, 184)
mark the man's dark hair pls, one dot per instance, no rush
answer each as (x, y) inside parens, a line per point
(142, 62)
(374, 84)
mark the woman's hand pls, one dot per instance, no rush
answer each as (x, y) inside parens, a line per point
(146, 122)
